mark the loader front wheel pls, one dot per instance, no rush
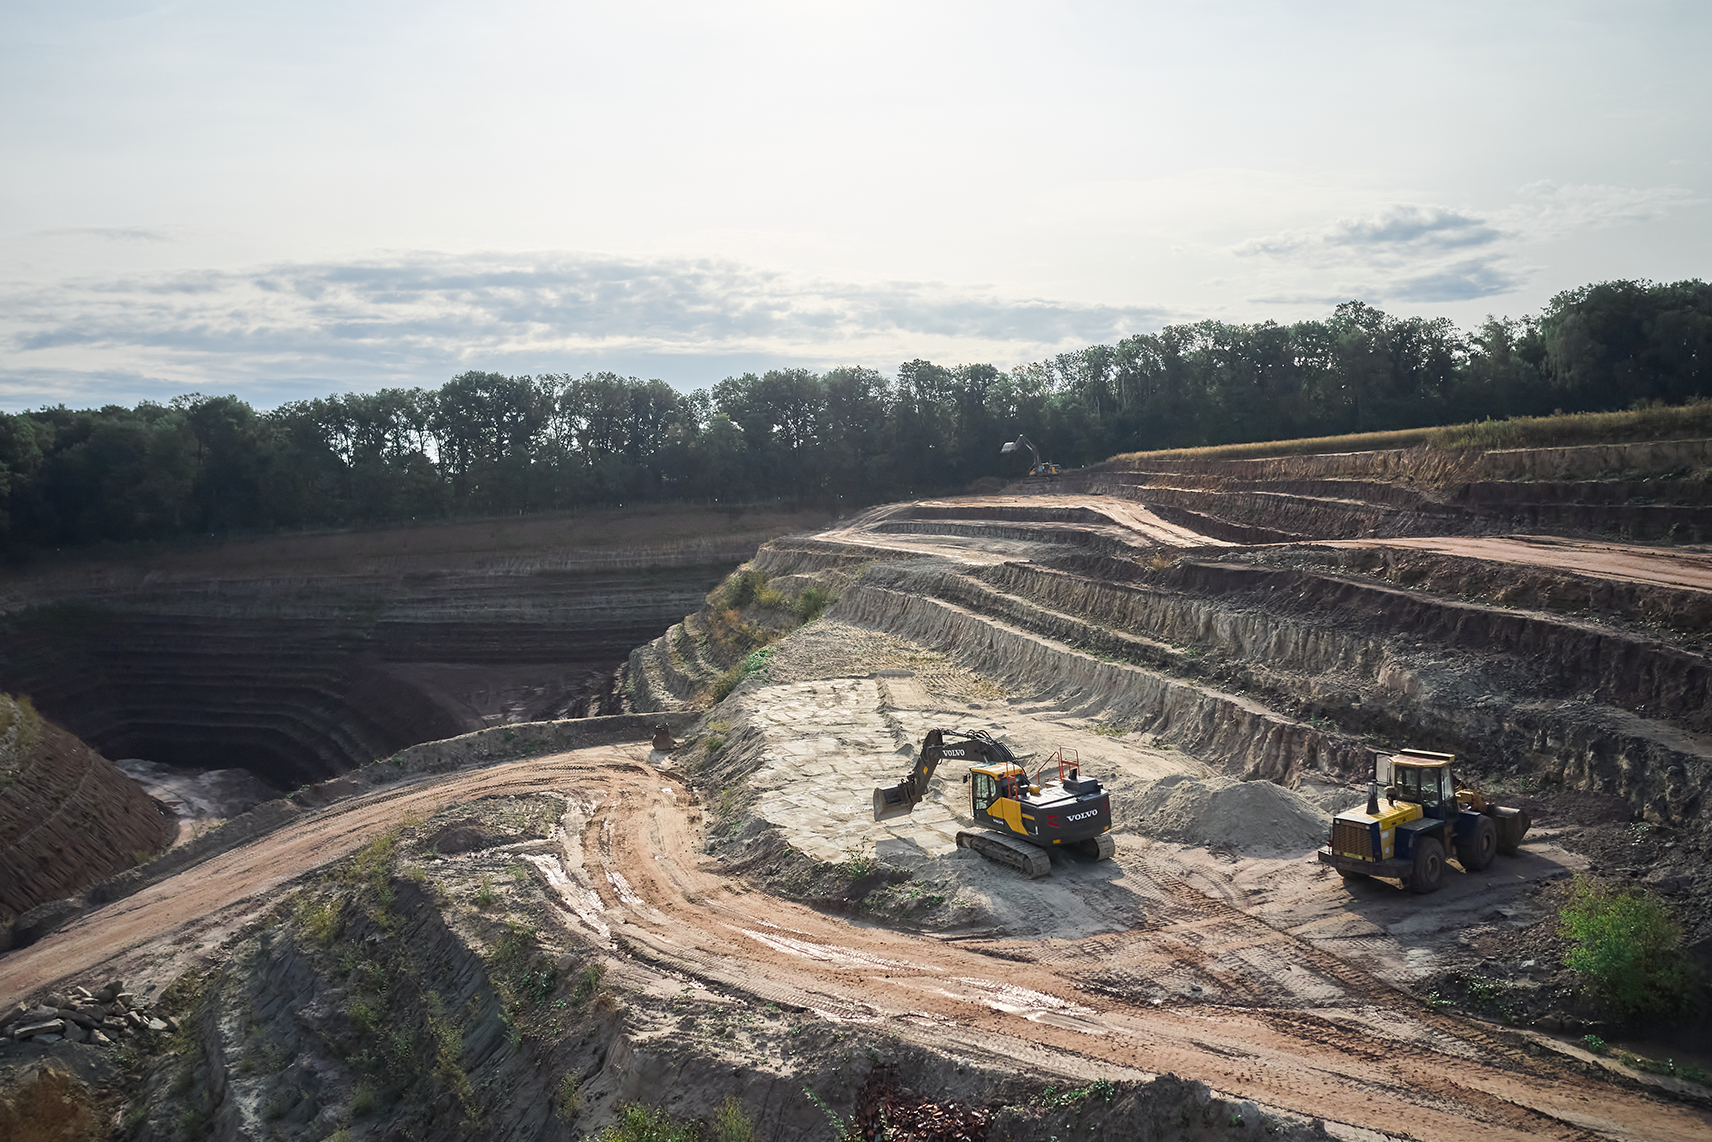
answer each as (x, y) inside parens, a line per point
(1476, 853)
(1429, 867)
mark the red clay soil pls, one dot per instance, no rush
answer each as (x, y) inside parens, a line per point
(69, 819)
(1380, 1062)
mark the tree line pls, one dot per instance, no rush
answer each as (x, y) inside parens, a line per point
(484, 443)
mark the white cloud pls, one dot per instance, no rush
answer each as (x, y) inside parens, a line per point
(1400, 229)
(1549, 210)
(1438, 254)
(413, 318)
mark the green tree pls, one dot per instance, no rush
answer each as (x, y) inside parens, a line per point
(1628, 947)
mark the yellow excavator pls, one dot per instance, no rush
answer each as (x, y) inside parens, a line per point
(1026, 817)
(1040, 467)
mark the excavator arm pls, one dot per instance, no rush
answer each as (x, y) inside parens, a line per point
(1020, 443)
(897, 800)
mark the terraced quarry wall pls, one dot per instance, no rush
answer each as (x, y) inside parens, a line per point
(1290, 617)
(1636, 491)
(300, 681)
(298, 658)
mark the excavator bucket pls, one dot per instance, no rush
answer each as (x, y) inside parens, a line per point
(892, 801)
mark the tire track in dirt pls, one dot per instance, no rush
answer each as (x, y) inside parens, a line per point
(669, 906)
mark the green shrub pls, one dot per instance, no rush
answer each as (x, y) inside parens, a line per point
(742, 587)
(322, 920)
(647, 1124)
(1628, 948)
(730, 1124)
(755, 663)
(812, 603)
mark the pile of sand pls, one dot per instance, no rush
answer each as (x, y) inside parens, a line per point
(1219, 811)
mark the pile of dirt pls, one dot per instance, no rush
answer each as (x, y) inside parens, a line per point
(1219, 811)
(48, 1104)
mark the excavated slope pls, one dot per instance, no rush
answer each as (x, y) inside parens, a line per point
(1648, 491)
(303, 679)
(68, 818)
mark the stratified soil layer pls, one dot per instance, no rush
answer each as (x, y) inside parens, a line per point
(69, 818)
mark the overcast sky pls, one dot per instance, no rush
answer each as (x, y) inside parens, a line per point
(285, 200)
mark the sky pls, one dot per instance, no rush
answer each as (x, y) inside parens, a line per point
(287, 200)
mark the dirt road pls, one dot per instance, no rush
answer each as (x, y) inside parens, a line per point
(1331, 1042)
(1631, 563)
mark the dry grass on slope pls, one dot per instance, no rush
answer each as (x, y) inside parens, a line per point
(1559, 431)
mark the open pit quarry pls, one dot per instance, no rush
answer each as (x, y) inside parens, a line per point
(520, 928)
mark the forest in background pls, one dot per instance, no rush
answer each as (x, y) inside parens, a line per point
(484, 443)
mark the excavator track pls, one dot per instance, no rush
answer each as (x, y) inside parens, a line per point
(1101, 847)
(1030, 860)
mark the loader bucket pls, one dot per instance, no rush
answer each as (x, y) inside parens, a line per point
(1512, 827)
(892, 801)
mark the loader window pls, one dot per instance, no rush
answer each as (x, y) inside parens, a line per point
(1420, 786)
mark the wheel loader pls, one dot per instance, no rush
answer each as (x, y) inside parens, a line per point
(1027, 817)
(1426, 817)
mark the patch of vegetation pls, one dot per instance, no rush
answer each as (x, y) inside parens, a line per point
(812, 603)
(857, 863)
(568, 1099)
(741, 587)
(842, 1130)
(371, 870)
(755, 663)
(1628, 949)
(648, 1124)
(1054, 1099)
(448, 1042)
(730, 1124)
(20, 735)
(588, 983)
(321, 920)
(1105, 729)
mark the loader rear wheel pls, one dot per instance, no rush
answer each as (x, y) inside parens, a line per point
(1476, 853)
(1429, 867)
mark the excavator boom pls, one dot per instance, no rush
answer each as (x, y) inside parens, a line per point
(976, 749)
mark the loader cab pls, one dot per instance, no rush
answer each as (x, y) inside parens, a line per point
(1424, 779)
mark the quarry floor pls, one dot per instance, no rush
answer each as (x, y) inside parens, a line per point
(1250, 973)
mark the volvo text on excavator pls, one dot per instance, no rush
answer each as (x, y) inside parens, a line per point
(1028, 817)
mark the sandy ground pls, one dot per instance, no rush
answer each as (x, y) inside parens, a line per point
(1300, 1028)
(1628, 562)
